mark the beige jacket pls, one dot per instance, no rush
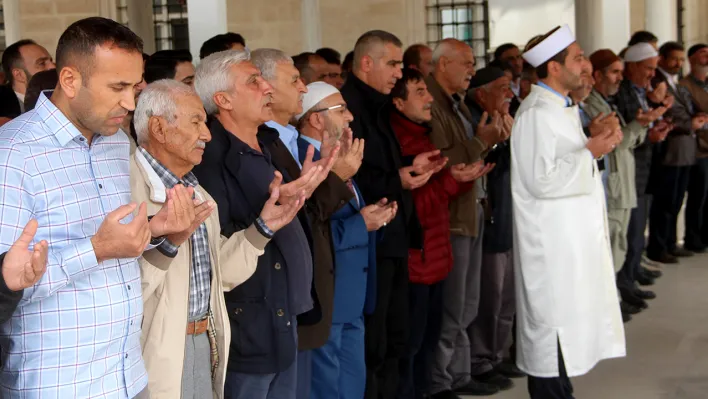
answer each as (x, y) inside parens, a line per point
(450, 137)
(165, 289)
(700, 101)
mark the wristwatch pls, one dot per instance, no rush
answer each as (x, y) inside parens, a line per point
(156, 241)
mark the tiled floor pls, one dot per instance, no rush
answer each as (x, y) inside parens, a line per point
(667, 345)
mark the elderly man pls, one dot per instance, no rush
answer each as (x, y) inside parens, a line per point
(195, 262)
(20, 61)
(313, 327)
(383, 174)
(490, 93)
(566, 297)
(170, 64)
(237, 171)
(420, 58)
(510, 53)
(696, 238)
(675, 158)
(410, 121)
(454, 134)
(338, 367)
(632, 104)
(92, 269)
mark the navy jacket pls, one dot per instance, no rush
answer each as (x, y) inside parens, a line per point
(8, 299)
(262, 309)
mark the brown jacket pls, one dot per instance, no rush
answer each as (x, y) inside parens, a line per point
(314, 326)
(700, 101)
(450, 137)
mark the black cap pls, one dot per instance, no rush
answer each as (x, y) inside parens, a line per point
(696, 48)
(486, 75)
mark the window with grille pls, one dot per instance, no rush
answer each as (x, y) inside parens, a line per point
(467, 21)
(170, 21)
(2, 30)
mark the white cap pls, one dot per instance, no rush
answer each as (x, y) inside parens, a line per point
(640, 52)
(316, 92)
(550, 46)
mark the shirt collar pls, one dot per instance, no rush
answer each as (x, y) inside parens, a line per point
(57, 123)
(287, 133)
(315, 143)
(567, 100)
(168, 178)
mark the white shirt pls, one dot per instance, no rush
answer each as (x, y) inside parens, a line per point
(21, 99)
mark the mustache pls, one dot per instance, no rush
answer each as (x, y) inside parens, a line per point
(200, 144)
(507, 100)
(427, 106)
(268, 99)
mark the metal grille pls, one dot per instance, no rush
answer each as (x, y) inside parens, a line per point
(122, 12)
(170, 22)
(467, 21)
(3, 45)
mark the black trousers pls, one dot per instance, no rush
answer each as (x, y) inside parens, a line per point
(553, 387)
(672, 183)
(425, 319)
(386, 337)
(696, 213)
(635, 244)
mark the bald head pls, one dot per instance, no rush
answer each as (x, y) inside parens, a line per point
(454, 65)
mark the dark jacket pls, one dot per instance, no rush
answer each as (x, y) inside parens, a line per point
(8, 299)
(332, 194)
(498, 223)
(9, 103)
(699, 96)
(627, 102)
(261, 310)
(378, 175)
(432, 201)
(680, 146)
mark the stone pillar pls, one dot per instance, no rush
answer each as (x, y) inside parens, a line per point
(661, 19)
(140, 21)
(206, 18)
(11, 14)
(602, 24)
(311, 25)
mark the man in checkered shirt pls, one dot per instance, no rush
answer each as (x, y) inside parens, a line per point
(76, 333)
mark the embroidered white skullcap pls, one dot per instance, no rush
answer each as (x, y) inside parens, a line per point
(316, 92)
(640, 52)
(550, 46)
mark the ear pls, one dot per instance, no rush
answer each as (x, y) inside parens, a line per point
(442, 63)
(367, 63)
(223, 100)
(157, 128)
(70, 81)
(554, 68)
(317, 121)
(398, 103)
(19, 75)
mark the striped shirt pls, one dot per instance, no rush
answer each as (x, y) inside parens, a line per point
(76, 333)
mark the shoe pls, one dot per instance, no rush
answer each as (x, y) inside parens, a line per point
(626, 317)
(444, 395)
(493, 378)
(644, 294)
(476, 388)
(651, 273)
(665, 258)
(510, 370)
(644, 280)
(681, 253)
(628, 309)
(634, 300)
(699, 249)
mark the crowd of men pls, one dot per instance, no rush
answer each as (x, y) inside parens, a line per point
(269, 227)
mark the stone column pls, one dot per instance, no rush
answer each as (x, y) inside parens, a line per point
(661, 19)
(311, 25)
(11, 14)
(602, 24)
(206, 18)
(140, 21)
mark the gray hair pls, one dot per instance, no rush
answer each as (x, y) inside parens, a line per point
(158, 99)
(445, 48)
(212, 76)
(266, 60)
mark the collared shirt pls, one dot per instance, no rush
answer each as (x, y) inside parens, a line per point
(669, 77)
(76, 333)
(21, 100)
(288, 135)
(469, 128)
(568, 101)
(200, 272)
(516, 87)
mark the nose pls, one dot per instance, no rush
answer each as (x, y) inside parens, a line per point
(265, 86)
(205, 134)
(399, 73)
(51, 64)
(127, 100)
(348, 116)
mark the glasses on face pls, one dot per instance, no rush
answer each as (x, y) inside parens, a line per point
(332, 107)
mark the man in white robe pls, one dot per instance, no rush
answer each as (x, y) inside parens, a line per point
(567, 307)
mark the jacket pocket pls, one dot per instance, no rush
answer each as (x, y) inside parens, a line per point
(251, 328)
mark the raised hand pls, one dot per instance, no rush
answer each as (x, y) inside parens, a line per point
(426, 162)
(350, 157)
(466, 173)
(202, 211)
(647, 118)
(291, 191)
(659, 132)
(668, 101)
(325, 166)
(698, 121)
(115, 240)
(490, 132)
(602, 144)
(176, 214)
(22, 266)
(276, 216)
(379, 214)
(658, 94)
(507, 125)
(410, 182)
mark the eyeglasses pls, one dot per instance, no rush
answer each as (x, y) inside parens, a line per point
(331, 108)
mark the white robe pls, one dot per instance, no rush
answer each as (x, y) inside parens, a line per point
(565, 281)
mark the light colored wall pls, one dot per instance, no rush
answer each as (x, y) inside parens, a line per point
(517, 21)
(267, 23)
(636, 15)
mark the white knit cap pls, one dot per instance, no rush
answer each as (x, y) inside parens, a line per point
(550, 46)
(316, 92)
(640, 52)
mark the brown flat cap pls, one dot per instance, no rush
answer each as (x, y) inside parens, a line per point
(601, 59)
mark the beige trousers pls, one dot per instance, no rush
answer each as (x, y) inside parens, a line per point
(618, 220)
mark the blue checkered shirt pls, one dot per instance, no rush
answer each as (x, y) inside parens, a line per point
(200, 275)
(76, 333)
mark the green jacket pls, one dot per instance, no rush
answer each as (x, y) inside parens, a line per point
(621, 189)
